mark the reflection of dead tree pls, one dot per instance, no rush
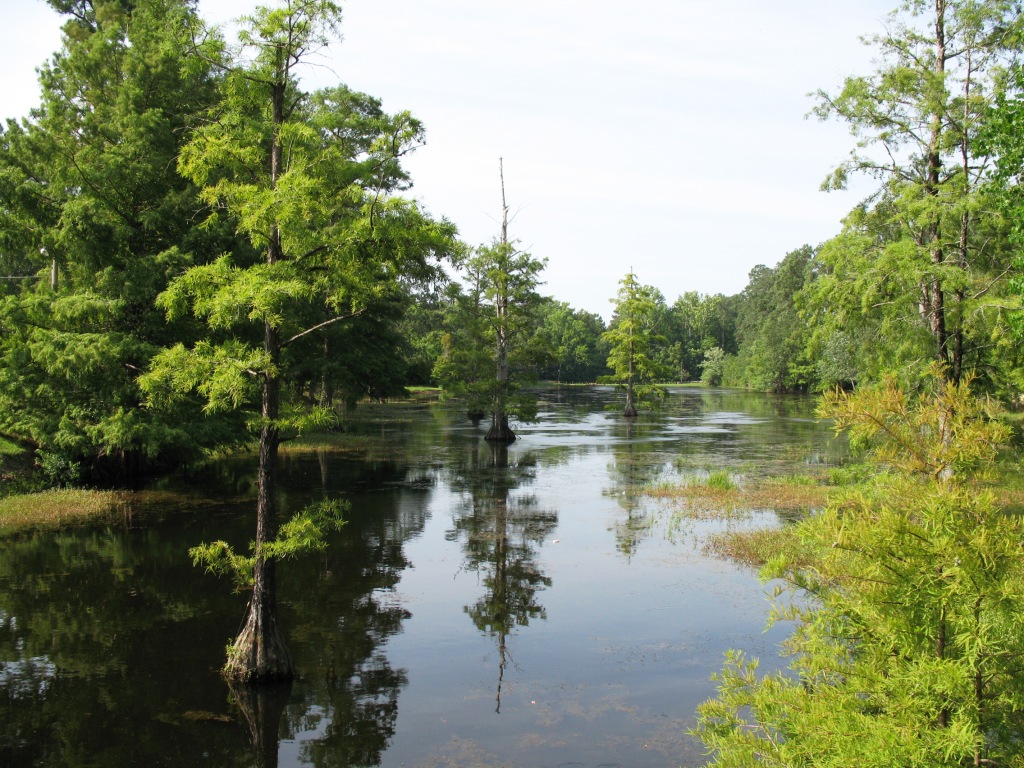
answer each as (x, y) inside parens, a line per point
(501, 533)
(503, 656)
(262, 706)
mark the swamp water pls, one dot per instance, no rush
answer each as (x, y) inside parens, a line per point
(483, 607)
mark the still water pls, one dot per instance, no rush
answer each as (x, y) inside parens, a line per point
(483, 607)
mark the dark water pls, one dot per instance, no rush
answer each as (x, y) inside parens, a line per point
(525, 607)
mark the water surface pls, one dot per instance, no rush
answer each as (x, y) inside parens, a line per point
(483, 607)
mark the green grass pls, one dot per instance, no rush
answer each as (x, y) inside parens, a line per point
(331, 442)
(753, 548)
(720, 480)
(57, 508)
(796, 480)
(719, 496)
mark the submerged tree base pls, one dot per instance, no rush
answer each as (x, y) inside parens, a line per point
(259, 654)
(630, 412)
(500, 431)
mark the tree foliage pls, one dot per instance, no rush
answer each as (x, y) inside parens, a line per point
(694, 325)
(907, 644)
(772, 334)
(573, 340)
(922, 262)
(631, 338)
(493, 346)
(98, 221)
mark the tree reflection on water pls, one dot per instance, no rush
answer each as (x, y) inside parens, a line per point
(501, 531)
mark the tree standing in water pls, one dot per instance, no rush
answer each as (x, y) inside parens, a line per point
(326, 235)
(500, 314)
(631, 337)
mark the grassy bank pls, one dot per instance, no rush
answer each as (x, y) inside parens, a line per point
(25, 504)
(58, 508)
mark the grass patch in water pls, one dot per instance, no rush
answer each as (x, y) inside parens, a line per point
(56, 508)
(754, 547)
(757, 546)
(720, 480)
(719, 496)
(751, 547)
(331, 442)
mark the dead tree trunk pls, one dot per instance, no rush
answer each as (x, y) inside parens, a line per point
(500, 432)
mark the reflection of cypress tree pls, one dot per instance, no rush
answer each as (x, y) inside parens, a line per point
(631, 470)
(500, 536)
(350, 697)
(261, 706)
(83, 615)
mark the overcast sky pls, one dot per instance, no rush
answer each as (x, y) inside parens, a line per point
(666, 136)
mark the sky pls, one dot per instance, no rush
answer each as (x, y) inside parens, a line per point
(666, 137)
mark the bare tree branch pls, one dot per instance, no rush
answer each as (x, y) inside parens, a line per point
(318, 326)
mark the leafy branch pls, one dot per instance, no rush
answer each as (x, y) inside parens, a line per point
(305, 532)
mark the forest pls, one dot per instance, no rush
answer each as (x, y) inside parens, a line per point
(144, 252)
(199, 256)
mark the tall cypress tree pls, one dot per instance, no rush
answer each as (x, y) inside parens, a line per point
(326, 236)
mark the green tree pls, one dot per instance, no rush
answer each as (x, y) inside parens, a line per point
(496, 349)
(465, 363)
(772, 335)
(924, 252)
(91, 204)
(308, 179)
(910, 594)
(493, 347)
(1002, 137)
(422, 328)
(573, 337)
(713, 367)
(694, 328)
(632, 336)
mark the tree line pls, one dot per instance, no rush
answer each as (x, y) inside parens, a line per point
(152, 219)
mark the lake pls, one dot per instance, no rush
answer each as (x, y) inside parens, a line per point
(482, 607)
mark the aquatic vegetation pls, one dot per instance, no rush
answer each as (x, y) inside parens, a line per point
(720, 495)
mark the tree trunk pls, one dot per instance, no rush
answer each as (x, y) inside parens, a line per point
(629, 411)
(500, 431)
(957, 351)
(259, 653)
(936, 309)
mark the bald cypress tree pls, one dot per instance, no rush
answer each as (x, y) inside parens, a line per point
(308, 183)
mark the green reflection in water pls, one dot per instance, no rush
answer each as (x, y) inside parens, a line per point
(110, 641)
